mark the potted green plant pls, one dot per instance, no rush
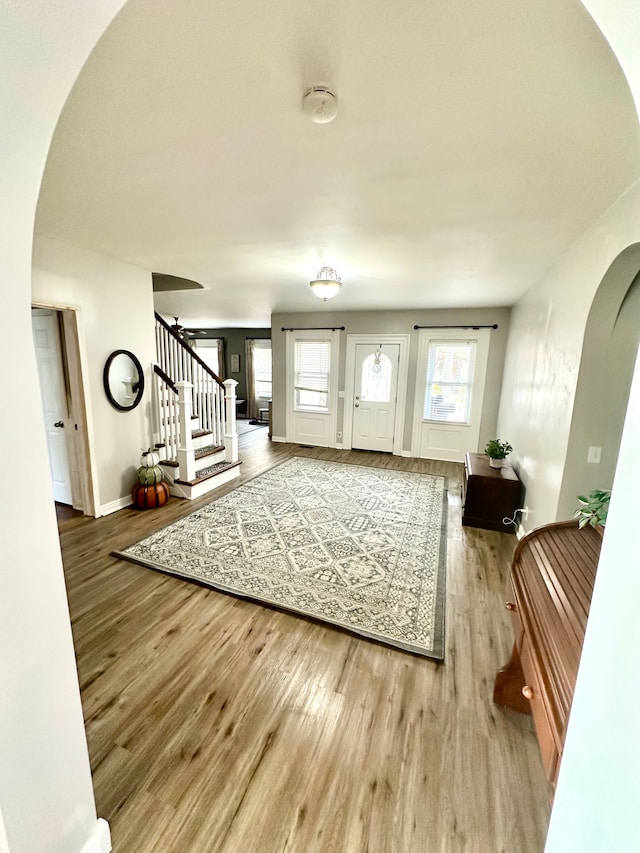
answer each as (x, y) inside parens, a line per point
(497, 450)
(593, 508)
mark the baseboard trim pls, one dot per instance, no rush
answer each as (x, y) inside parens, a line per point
(113, 506)
(279, 438)
(520, 532)
(405, 453)
(100, 839)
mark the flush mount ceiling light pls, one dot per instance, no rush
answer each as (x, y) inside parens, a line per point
(320, 104)
(326, 284)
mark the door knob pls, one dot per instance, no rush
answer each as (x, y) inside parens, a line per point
(357, 404)
(59, 424)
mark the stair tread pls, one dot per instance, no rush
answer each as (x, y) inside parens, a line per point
(207, 473)
(199, 453)
(198, 433)
(208, 450)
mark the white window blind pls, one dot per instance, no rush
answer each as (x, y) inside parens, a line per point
(312, 375)
(449, 380)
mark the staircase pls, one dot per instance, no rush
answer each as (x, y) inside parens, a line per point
(194, 419)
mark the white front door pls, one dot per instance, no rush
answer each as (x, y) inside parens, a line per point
(46, 339)
(374, 405)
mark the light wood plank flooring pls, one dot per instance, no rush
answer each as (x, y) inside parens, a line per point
(216, 725)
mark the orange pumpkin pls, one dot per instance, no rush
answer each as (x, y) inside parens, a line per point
(150, 495)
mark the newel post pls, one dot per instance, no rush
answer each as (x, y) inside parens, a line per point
(186, 456)
(230, 430)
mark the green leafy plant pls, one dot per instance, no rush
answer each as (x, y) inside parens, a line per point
(497, 449)
(593, 508)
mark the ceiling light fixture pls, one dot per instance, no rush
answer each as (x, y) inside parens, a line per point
(326, 284)
(320, 104)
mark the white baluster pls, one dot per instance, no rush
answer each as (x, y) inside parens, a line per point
(174, 422)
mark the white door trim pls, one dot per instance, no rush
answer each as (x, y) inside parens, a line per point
(404, 342)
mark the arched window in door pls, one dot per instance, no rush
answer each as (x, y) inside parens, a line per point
(375, 382)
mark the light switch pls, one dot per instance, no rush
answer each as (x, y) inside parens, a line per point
(594, 455)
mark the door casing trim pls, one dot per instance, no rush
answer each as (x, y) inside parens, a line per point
(87, 500)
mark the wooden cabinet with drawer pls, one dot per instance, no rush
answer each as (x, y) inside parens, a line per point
(489, 495)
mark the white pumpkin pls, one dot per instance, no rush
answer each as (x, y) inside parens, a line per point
(149, 458)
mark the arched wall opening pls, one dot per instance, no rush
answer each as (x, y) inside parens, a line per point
(608, 357)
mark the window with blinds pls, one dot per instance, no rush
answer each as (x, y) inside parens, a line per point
(450, 366)
(312, 364)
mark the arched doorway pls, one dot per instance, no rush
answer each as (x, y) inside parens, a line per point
(609, 353)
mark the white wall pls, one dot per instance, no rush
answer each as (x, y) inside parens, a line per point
(606, 370)
(46, 798)
(115, 302)
(598, 789)
(618, 21)
(394, 322)
(543, 355)
(598, 779)
(596, 802)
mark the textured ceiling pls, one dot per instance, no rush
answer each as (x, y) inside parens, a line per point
(474, 143)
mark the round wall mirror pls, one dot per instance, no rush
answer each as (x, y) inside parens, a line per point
(123, 380)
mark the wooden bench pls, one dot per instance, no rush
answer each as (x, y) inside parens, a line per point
(549, 596)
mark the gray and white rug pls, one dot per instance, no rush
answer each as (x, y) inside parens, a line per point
(359, 547)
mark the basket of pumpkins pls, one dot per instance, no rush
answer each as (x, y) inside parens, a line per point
(149, 491)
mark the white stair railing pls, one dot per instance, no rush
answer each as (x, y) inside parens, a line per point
(181, 364)
(167, 415)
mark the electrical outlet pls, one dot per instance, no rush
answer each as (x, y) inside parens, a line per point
(339, 436)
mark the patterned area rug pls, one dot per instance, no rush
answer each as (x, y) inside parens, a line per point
(363, 548)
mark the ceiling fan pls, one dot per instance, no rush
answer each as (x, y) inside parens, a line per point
(185, 334)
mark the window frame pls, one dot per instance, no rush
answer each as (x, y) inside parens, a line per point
(295, 417)
(297, 388)
(437, 341)
(261, 344)
(449, 440)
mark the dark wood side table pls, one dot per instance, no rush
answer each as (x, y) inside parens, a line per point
(489, 494)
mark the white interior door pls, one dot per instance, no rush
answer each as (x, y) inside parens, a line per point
(375, 391)
(46, 339)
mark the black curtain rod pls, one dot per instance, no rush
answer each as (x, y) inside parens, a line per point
(494, 326)
(314, 329)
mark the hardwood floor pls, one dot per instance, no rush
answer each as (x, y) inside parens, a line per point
(216, 725)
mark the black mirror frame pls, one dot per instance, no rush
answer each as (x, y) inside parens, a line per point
(138, 387)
